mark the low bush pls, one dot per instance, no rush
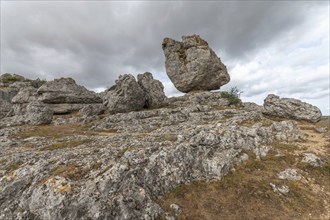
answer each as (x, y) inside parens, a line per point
(232, 96)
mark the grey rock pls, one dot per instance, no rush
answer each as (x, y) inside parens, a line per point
(7, 94)
(5, 108)
(193, 65)
(289, 174)
(64, 95)
(243, 157)
(125, 162)
(153, 89)
(125, 96)
(312, 160)
(23, 98)
(287, 131)
(321, 130)
(38, 113)
(25, 95)
(250, 106)
(66, 108)
(284, 189)
(92, 109)
(177, 210)
(261, 151)
(291, 108)
(65, 90)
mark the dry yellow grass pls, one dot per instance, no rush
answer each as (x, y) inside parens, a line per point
(246, 193)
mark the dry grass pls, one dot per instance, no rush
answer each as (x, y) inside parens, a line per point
(4, 160)
(12, 166)
(324, 122)
(58, 131)
(70, 171)
(73, 171)
(53, 131)
(246, 193)
(66, 144)
(167, 137)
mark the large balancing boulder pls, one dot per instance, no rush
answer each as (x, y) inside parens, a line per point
(192, 65)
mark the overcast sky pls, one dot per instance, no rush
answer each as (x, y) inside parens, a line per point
(268, 46)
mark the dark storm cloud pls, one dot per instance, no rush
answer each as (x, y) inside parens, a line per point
(94, 42)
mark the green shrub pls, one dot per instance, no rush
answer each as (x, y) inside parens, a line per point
(8, 78)
(232, 96)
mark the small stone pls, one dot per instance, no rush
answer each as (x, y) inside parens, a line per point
(312, 160)
(284, 189)
(244, 157)
(176, 209)
(289, 174)
(261, 151)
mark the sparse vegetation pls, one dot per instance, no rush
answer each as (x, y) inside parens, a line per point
(246, 192)
(71, 171)
(53, 131)
(167, 137)
(11, 166)
(232, 96)
(66, 144)
(8, 78)
(4, 160)
(122, 152)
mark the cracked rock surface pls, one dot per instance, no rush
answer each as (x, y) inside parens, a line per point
(117, 166)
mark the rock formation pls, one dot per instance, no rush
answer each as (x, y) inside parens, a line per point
(38, 113)
(64, 95)
(193, 65)
(5, 108)
(92, 110)
(291, 108)
(129, 95)
(153, 90)
(23, 98)
(125, 96)
(122, 174)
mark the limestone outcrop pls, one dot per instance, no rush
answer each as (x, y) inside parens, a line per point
(120, 165)
(64, 95)
(125, 96)
(193, 65)
(131, 95)
(23, 98)
(38, 113)
(291, 108)
(153, 90)
(5, 108)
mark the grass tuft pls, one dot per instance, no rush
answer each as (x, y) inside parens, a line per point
(67, 144)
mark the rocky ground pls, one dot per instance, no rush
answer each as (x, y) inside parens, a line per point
(197, 157)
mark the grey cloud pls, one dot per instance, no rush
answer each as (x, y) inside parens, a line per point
(100, 40)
